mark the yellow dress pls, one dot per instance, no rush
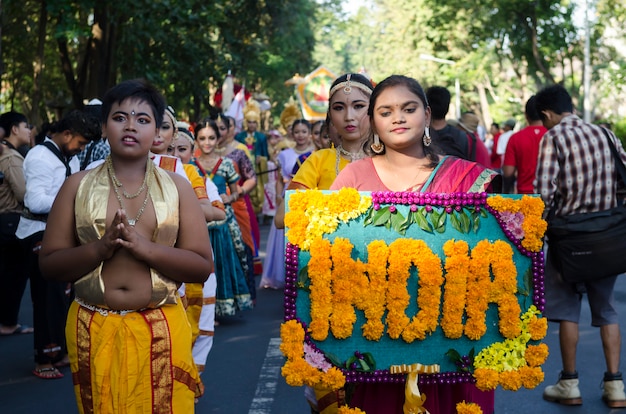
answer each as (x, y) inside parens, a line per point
(320, 169)
(136, 361)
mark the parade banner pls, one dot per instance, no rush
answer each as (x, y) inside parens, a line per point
(380, 285)
(312, 93)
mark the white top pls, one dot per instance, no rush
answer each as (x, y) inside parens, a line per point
(44, 174)
(211, 190)
(502, 142)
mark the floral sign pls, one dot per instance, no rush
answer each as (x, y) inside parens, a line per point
(380, 285)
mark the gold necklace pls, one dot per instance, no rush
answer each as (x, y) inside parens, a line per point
(111, 173)
(353, 156)
(118, 183)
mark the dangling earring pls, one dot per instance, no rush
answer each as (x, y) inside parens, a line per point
(378, 147)
(426, 139)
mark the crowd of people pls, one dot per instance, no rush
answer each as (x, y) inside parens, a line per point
(102, 217)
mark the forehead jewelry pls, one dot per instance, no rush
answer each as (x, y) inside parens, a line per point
(348, 88)
(132, 112)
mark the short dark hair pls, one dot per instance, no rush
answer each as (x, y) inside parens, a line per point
(10, 119)
(439, 100)
(553, 98)
(78, 122)
(139, 89)
(531, 109)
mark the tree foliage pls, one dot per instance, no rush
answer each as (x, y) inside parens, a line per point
(185, 47)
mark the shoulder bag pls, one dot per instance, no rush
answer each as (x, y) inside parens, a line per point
(589, 246)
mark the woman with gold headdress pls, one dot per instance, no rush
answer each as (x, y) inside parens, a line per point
(347, 115)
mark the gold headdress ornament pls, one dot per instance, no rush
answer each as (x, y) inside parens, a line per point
(169, 111)
(347, 86)
(290, 113)
(252, 111)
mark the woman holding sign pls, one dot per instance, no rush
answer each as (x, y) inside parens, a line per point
(403, 158)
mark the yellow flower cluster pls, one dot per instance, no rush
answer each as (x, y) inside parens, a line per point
(313, 213)
(338, 282)
(347, 410)
(502, 290)
(403, 253)
(454, 297)
(513, 363)
(533, 225)
(297, 371)
(320, 273)
(468, 408)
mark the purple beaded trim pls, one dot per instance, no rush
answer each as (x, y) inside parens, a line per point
(450, 201)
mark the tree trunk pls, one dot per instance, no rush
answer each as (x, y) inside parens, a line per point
(66, 67)
(35, 115)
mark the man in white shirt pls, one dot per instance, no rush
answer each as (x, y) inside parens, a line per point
(508, 127)
(45, 169)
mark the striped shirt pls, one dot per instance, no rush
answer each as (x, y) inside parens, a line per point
(576, 166)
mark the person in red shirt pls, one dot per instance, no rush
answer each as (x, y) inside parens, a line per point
(496, 161)
(520, 158)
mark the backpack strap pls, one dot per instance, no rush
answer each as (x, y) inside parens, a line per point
(60, 156)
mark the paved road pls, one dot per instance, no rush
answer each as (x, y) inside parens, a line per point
(243, 370)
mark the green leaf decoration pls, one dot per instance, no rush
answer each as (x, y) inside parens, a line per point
(364, 366)
(369, 358)
(466, 224)
(419, 217)
(438, 220)
(456, 224)
(453, 354)
(349, 362)
(399, 222)
(368, 218)
(483, 213)
(333, 359)
(382, 216)
(303, 278)
(476, 220)
(524, 289)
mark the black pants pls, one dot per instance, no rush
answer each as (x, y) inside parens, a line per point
(51, 301)
(13, 278)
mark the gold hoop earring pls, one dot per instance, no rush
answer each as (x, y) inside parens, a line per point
(426, 139)
(378, 147)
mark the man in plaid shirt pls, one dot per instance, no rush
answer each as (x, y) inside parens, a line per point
(576, 174)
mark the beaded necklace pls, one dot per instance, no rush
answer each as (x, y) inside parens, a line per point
(145, 186)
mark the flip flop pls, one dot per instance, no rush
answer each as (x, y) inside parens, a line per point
(47, 373)
(19, 329)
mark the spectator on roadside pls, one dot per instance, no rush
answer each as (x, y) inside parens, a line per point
(520, 158)
(45, 169)
(503, 140)
(13, 265)
(469, 123)
(450, 140)
(576, 173)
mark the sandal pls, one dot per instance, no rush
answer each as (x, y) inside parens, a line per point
(19, 329)
(47, 373)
